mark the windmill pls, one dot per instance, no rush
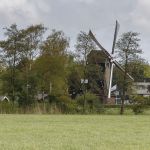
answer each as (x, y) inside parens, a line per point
(110, 60)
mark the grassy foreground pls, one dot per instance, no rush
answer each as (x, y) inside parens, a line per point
(74, 132)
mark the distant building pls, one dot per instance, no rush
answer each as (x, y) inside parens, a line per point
(41, 97)
(142, 87)
(116, 98)
(4, 98)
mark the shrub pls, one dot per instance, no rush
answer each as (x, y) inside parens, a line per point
(138, 104)
(92, 103)
(66, 104)
(52, 99)
(139, 100)
(138, 109)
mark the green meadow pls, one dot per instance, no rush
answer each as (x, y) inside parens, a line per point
(74, 132)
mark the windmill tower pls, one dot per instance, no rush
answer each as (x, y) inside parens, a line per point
(109, 62)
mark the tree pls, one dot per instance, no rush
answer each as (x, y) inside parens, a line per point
(138, 68)
(147, 70)
(51, 65)
(83, 47)
(10, 55)
(30, 43)
(128, 49)
(17, 54)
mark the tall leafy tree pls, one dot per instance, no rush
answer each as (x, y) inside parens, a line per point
(75, 73)
(138, 68)
(30, 43)
(128, 49)
(51, 64)
(83, 47)
(17, 53)
(147, 70)
(10, 56)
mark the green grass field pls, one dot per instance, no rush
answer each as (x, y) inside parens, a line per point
(74, 132)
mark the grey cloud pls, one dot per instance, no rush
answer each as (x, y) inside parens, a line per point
(71, 16)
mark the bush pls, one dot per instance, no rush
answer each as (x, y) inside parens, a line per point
(138, 109)
(139, 100)
(52, 99)
(138, 104)
(66, 104)
(93, 104)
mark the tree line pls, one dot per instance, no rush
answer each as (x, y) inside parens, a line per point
(31, 65)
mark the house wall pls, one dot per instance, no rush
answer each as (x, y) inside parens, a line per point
(141, 88)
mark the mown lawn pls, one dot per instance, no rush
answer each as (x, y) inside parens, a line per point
(74, 132)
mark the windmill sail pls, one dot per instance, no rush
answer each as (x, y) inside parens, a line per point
(99, 45)
(111, 64)
(115, 36)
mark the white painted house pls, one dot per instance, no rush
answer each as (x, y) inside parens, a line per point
(4, 98)
(142, 87)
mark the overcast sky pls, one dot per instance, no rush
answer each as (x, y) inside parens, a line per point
(72, 16)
